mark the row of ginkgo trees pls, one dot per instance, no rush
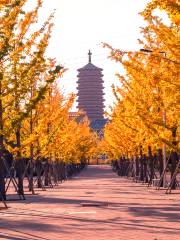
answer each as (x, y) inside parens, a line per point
(34, 116)
(145, 117)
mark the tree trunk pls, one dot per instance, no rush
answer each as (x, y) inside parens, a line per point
(46, 174)
(137, 166)
(19, 162)
(174, 157)
(20, 171)
(31, 169)
(2, 181)
(174, 161)
(151, 163)
(141, 165)
(145, 168)
(160, 163)
(2, 167)
(38, 170)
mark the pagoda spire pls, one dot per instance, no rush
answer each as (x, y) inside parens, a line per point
(90, 54)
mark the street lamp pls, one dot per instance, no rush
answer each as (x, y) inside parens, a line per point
(164, 122)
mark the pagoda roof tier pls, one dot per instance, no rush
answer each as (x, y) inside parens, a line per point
(90, 91)
(95, 114)
(91, 111)
(90, 95)
(93, 100)
(93, 89)
(88, 67)
(93, 103)
(90, 98)
(84, 87)
(94, 117)
(90, 107)
(87, 103)
(84, 80)
(90, 74)
(85, 84)
(89, 82)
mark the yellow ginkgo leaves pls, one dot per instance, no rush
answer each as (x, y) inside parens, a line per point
(146, 113)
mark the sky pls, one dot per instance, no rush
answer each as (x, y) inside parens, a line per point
(81, 25)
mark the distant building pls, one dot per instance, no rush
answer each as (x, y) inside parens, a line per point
(90, 94)
(73, 115)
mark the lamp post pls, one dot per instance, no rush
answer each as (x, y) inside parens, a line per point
(164, 123)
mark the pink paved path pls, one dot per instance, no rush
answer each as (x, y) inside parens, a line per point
(129, 211)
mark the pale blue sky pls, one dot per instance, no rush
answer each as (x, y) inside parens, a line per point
(81, 25)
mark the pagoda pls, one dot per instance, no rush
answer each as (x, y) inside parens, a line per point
(90, 91)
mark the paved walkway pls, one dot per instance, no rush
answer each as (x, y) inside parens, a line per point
(128, 211)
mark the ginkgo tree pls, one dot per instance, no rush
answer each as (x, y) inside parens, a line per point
(25, 71)
(63, 140)
(146, 113)
(34, 116)
(61, 137)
